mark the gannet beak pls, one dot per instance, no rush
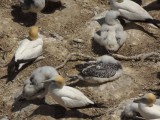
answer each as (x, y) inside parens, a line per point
(49, 80)
(137, 100)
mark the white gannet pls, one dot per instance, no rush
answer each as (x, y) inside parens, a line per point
(147, 107)
(112, 35)
(132, 11)
(104, 69)
(29, 50)
(66, 96)
(33, 86)
(32, 5)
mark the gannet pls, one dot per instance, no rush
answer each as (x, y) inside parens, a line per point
(132, 11)
(147, 107)
(112, 35)
(29, 50)
(34, 6)
(33, 86)
(66, 96)
(130, 110)
(104, 69)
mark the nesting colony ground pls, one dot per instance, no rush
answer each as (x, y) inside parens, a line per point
(71, 23)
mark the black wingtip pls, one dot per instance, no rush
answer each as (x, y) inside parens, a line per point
(99, 105)
(95, 105)
(154, 22)
(11, 70)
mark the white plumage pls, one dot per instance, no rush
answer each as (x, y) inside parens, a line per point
(112, 35)
(132, 11)
(34, 6)
(28, 51)
(69, 97)
(147, 107)
(66, 96)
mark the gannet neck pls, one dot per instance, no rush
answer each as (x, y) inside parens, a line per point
(111, 17)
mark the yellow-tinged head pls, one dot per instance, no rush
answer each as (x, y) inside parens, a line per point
(59, 80)
(151, 99)
(33, 33)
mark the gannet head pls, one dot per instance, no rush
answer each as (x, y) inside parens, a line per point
(59, 80)
(33, 33)
(149, 99)
(111, 17)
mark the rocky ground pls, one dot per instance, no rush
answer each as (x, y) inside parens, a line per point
(62, 28)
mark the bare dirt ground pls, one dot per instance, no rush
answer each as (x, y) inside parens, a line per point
(74, 22)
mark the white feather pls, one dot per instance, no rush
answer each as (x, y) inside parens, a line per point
(69, 97)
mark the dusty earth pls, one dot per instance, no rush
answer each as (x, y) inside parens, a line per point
(73, 22)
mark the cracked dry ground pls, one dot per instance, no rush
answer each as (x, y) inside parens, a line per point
(74, 22)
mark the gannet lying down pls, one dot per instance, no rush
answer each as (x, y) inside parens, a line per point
(34, 6)
(28, 51)
(105, 69)
(132, 11)
(112, 35)
(66, 96)
(131, 109)
(33, 86)
(147, 107)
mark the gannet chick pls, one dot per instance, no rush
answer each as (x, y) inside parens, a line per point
(33, 86)
(147, 107)
(132, 11)
(104, 69)
(66, 96)
(130, 110)
(28, 51)
(33, 6)
(112, 35)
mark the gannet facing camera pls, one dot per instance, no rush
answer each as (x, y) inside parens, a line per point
(32, 5)
(147, 107)
(33, 86)
(105, 69)
(112, 35)
(132, 11)
(29, 50)
(66, 96)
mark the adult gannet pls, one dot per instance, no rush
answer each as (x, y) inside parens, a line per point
(29, 50)
(112, 35)
(34, 6)
(33, 86)
(66, 96)
(147, 107)
(104, 69)
(132, 11)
